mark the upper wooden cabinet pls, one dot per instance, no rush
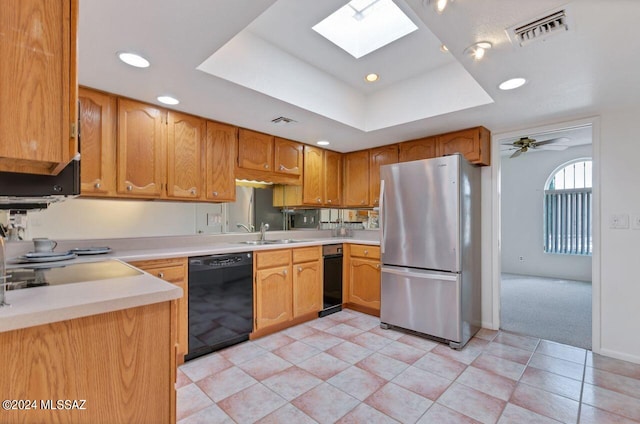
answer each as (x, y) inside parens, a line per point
(356, 178)
(422, 148)
(473, 143)
(287, 156)
(184, 142)
(38, 87)
(322, 177)
(98, 143)
(141, 148)
(333, 178)
(264, 157)
(384, 155)
(255, 150)
(220, 147)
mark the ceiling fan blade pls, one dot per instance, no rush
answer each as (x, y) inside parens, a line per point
(553, 140)
(516, 154)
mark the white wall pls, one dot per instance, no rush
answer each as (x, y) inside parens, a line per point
(522, 184)
(620, 264)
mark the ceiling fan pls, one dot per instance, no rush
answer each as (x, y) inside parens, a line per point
(525, 144)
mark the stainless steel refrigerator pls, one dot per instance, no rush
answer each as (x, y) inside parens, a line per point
(430, 247)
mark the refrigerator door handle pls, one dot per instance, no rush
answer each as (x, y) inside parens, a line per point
(426, 275)
(380, 216)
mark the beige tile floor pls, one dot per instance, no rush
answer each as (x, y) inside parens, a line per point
(343, 368)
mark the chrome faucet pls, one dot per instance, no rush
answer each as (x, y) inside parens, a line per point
(263, 229)
(248, 228)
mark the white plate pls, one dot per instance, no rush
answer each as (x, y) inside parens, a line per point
(37, 255)
(59, 257)
(91, 250)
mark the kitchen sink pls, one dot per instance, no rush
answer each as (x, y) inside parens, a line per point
(261, 242)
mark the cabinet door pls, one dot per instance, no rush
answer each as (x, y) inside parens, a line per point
(273, 296)
(98, 126)
(364, 282)
(38, 87)
(255, 150)
(356, 178)
(377, 157)
(307, 288)
(313, 177)
(141, 149)
(287, 156)
(424, 148)
(459, 142)
(184, 140)
(332, 178)
(219, 155)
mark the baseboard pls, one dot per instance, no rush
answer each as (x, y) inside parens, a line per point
(620, 355)
(489, 325)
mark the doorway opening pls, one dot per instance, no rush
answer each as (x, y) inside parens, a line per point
(547, 235)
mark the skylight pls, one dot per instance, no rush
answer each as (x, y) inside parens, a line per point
(363, 26)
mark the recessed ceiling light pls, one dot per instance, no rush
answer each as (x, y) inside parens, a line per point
(168, 100)
(371, 77)
(133, 59)
(363, 26)
(439, 5)
(322, 143)
(478, 49)
(512, 83)
(444, 49)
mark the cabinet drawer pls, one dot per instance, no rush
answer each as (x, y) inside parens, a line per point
(273, 258)
(306, 254)
(169, 270)
(365, 251)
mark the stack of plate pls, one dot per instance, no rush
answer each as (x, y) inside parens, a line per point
(46, 256)
(91, 250)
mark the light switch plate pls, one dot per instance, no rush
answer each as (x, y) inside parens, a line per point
(635, 222)
(619, 221)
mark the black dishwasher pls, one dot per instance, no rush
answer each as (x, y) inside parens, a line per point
(332, 284)
(220, 301)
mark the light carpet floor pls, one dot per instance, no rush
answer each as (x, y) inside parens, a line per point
(547, 308)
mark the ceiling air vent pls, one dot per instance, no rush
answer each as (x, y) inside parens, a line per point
(282, 121)
(539, 29)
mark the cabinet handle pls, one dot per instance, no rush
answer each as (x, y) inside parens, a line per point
(266, 166)
(319, 200)
(329, 201)
(193, 191)
(97, 185)
(215, 194)
(362, 202)
(161, 274)
(284, 272)
(366, 252)
(299, 269)
(282, 168)
(129, 188)
(378, 266)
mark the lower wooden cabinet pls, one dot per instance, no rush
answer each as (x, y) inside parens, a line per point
(362, 278)
(174, 271)
(288, 288)
(120, 366)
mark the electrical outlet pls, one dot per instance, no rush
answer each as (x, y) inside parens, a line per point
(619, 221)
(521, 258)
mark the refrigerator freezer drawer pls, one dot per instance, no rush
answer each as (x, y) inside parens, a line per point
(425, 301)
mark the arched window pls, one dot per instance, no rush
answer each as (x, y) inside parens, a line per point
(567, 209)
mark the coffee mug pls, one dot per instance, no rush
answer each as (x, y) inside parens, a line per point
(44, 244)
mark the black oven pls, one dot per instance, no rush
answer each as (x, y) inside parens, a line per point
(220, 301)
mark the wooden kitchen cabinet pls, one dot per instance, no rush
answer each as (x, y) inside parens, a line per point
(422, 148)
(362, 276)
(273, 288)
(121, 363)
(287, 156)
(98, 138)
(220, 148)
(332, 178)
(39, 87)
(141, 149)
(356, 179)
(384, 155)
(473, 144)
(313, 177)
(174, 271)
(307, 280)
(184, 142)
(255, 150)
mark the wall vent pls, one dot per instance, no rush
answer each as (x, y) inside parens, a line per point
(540, 28)
(281, 120)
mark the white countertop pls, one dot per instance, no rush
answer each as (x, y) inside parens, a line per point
(47, 304)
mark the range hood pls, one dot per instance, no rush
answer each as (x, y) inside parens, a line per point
(30, 191)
